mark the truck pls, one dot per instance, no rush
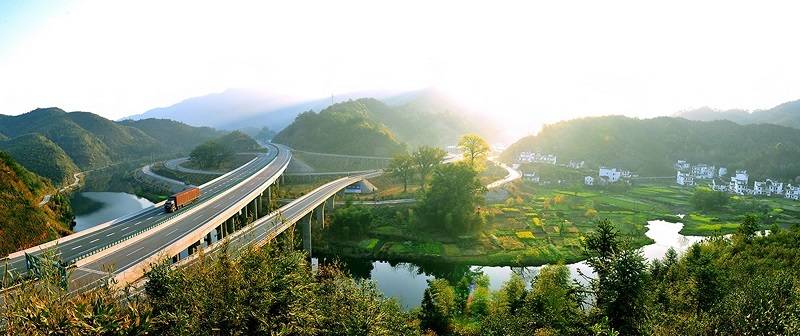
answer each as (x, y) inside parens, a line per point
(181, 199)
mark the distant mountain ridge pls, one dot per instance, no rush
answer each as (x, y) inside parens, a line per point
(55, 144)
(786, 114)
(651, 146)
(241, 108)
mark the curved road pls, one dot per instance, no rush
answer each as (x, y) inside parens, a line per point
(75, 247)
(267, 167)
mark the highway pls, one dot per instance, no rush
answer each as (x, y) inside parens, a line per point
(72, 248)
(267, 228)
(267, 168)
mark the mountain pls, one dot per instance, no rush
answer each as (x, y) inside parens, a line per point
(786, 114)
(427, 117)
(650, 147)
(239, 142)
(22, 222)
(343, 128)
(173, 134)
(54, 143)
(243, 108)
(225, 109)
(39, 154)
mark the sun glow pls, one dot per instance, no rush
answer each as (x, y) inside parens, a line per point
(524, 63)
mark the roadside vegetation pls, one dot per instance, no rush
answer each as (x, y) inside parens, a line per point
(742, 285)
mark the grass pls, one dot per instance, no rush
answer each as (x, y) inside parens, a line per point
(547, 224)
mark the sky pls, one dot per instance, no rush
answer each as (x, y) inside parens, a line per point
(523, 62)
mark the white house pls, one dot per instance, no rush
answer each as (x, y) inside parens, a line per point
(741, 176)
(611, 174)
(774, 187)
(722, 171)
(575, 164)
(703, 171)
(792, 192)
(760, 188)
(588, 180)
(718, 187)
(684, 179)
(681, 165)
(532, 177)
(536, 157)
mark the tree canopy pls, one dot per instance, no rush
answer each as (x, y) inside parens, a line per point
(451, 203)
(475, 150)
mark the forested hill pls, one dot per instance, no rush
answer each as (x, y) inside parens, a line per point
(55, 144)
(343, 128)
(22, 222)
(174, 134)
(651, 146)
(786, 114)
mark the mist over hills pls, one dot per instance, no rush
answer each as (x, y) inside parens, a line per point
(786, 114)
(368, 126)
(239, 108)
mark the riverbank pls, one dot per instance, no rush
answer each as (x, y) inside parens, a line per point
(538, 225)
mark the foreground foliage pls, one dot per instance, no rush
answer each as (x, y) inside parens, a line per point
(745, 285)
(263, 291)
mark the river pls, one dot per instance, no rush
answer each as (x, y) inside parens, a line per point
(107, 206)
(406, 282)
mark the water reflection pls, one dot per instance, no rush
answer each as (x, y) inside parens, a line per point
(406, 281)
(114, 205)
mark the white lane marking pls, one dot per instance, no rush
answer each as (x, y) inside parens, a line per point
(92, 242)
(76, 247)
(110, 234)
(125, 228)
(134, 251)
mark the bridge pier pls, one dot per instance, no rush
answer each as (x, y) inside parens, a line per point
(307, 233)
(321, 215)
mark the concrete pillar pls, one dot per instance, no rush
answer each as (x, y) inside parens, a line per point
(306, 221)
(321, 215)
(255, 206)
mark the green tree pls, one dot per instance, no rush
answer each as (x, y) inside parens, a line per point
(475, 150)
(438, 306)
(707, 199)
(451, 203)
(749, 227)
(402, 167)
(619, 288)
(426, 159)
(211, 154)
(351, 221)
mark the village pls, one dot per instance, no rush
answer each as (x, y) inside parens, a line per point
(687, 174)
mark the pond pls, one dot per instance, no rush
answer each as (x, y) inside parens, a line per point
(92, 208)
(406, 282)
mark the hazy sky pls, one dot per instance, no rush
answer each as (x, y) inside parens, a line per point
(523, 62)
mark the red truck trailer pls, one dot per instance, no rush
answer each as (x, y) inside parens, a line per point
(181, 199)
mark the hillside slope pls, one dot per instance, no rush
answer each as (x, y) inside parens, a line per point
(23, 223)
(343, 128)
(651, 146)
(173, 134)
(40, 155)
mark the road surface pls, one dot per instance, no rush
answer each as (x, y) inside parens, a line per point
(86, 243)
